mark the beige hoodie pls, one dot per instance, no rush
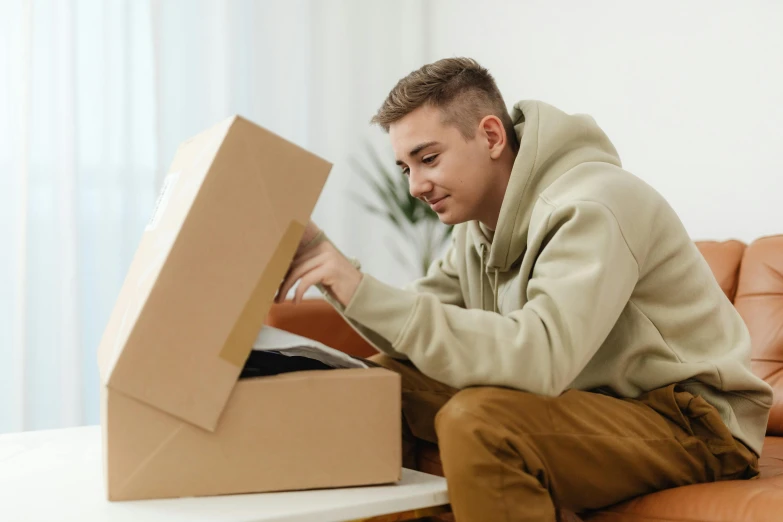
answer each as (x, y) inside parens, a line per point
(589, 281)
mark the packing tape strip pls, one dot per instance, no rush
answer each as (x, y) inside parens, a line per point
(240, 340)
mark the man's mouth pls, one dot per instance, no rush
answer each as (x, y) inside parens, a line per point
(437, 204)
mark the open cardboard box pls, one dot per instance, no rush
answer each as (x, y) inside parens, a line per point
(176, 420)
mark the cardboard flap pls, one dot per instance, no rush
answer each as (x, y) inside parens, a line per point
(225, 228)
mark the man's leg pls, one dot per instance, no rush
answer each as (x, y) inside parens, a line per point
(513, 456)
(422, 397)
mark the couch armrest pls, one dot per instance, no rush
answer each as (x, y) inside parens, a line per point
(316, 319)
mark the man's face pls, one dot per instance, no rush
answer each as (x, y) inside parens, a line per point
(444, 169)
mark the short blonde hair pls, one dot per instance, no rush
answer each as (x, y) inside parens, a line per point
(464, 91)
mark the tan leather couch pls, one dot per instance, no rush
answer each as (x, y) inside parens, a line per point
(752, 278)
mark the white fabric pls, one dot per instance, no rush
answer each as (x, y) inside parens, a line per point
(77, 176)
(274, 339)
(96, 95)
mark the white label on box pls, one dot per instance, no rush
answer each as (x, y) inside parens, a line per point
(163, 199)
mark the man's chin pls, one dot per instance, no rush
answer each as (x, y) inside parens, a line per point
(449, 219)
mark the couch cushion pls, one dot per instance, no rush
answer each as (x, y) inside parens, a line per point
(759, 301)
(758, 500)
(724, 258)
(317, 319)
(731, 501)
(771, 461)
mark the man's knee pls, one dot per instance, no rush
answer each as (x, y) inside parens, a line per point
(482, 429)
(465, 409)
(480, 408)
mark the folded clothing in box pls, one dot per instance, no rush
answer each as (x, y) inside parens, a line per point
(277, 351)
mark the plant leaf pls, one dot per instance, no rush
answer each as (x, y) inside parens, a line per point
(396, 221)
(378, 189)
(372, 209)
(375, 159)
(398, 254)
(394, 191)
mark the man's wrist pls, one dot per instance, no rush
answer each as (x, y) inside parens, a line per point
(318, 239)
(329, 246)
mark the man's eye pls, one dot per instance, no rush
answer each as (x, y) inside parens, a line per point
(406, 171)
(429, 159)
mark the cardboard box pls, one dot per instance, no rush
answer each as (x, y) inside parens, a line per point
(175, 419)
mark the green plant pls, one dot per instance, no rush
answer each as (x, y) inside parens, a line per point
(411, 217)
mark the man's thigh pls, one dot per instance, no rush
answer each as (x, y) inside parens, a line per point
(591, 450)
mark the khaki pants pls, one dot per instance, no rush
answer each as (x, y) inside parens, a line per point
(515, 456)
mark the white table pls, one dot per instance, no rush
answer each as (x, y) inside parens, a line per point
(56, 475)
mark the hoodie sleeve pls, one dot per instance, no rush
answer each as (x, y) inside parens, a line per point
(441, 281)
(583, 278)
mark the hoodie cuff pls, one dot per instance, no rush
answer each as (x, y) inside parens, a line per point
(382, 308)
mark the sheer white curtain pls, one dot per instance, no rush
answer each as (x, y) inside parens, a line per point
(77, 169)
(94, 98)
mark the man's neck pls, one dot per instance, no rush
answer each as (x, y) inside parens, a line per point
(495, 202)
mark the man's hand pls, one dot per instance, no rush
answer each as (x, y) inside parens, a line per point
(322, 264)
(311, 230)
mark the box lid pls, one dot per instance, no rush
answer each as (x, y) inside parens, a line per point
(225, 227)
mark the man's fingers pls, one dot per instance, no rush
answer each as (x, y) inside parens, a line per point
(285, 286)
(311, 278)
(296, 272)
(308, 254)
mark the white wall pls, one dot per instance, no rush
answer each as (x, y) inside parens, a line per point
(691, 93)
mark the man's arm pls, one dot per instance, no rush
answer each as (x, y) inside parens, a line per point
(581, 282)
(441, 281)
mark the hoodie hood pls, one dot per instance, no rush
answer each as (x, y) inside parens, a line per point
(551, 143)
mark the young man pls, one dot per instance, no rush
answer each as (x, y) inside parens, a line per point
(572, 341)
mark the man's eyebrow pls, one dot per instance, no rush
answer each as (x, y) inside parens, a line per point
(419, 148)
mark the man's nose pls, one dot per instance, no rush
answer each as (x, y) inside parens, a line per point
(419, 185)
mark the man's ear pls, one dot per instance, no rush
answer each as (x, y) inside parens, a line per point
(494, 133)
